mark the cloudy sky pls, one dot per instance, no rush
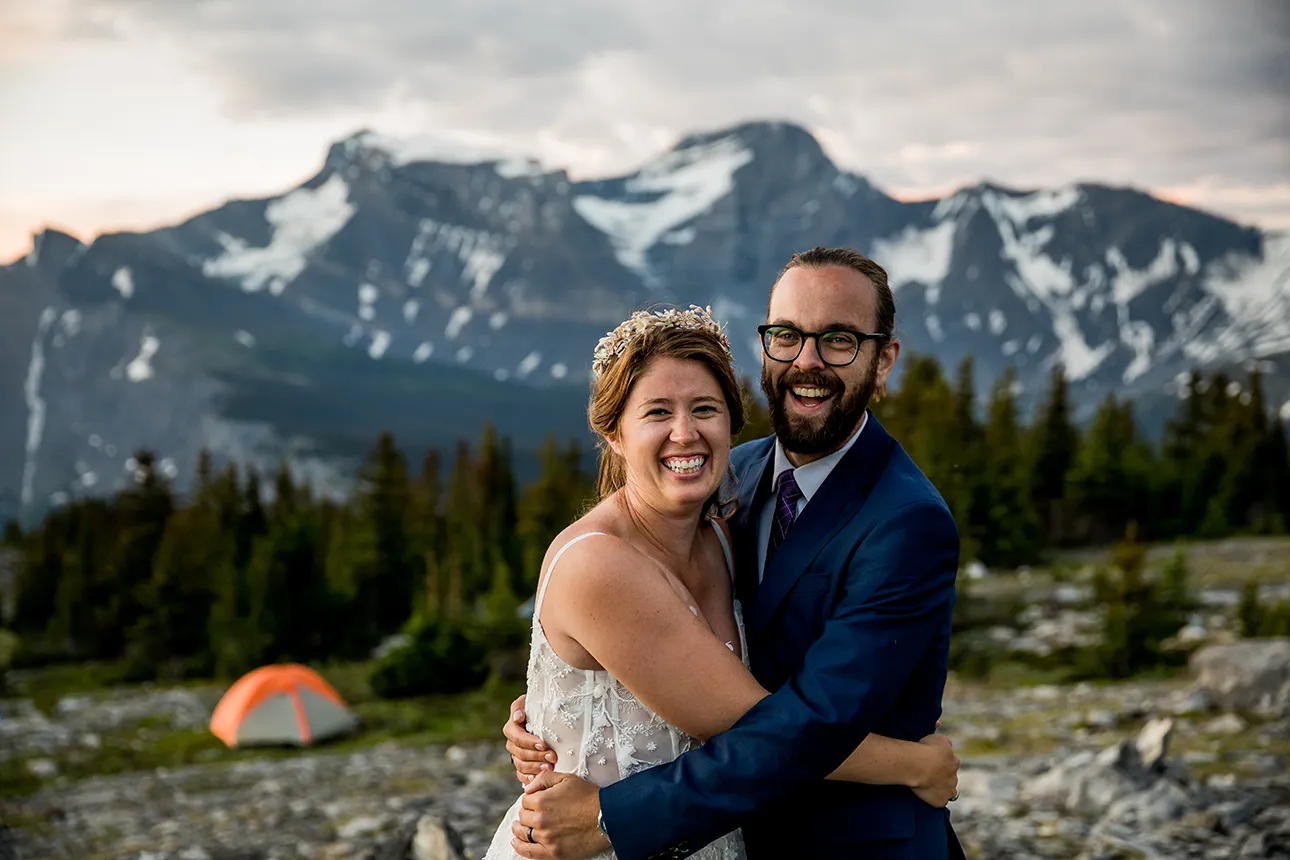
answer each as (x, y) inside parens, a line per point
(130, 113)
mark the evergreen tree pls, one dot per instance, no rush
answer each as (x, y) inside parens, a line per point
(427, 537)
(1053, 446)
(143, 512)
(1011, 529)
(1110, 478)
(756, 414)
(384, 569)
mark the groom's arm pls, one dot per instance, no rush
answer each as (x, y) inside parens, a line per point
(850, 677)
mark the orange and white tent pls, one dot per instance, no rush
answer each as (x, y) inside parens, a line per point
(280, 704)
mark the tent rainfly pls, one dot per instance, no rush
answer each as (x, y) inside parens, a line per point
(280, 704)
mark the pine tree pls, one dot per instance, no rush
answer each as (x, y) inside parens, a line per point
(1053, 446)
(143, 512)
(756, 414)
(969, 491)
(427, 537)
(1110, 478)
(1011, 533)
(385, 573)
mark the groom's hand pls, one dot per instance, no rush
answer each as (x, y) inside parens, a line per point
(938, 783)
(529, 755)
(562, 811)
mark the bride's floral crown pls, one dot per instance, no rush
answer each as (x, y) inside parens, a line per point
(616, 342)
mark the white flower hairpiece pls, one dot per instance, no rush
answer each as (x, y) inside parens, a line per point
(616, 342)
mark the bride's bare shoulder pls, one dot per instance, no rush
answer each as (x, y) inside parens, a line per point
(603, 566)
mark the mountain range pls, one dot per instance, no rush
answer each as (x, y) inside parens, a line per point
(425, 288)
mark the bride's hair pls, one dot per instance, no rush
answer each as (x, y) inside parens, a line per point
(613, 386)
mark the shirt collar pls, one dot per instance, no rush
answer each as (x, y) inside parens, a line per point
(811, 476)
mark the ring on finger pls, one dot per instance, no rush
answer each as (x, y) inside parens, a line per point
(531, 834)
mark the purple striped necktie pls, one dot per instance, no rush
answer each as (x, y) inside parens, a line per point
(785, 509)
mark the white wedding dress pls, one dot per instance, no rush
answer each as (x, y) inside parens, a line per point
(599, 730)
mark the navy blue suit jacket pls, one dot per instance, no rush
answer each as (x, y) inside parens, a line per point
(850, 630)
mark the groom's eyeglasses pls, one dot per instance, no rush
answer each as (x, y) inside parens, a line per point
(837, 347)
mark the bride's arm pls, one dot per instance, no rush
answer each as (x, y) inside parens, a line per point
(610, 603)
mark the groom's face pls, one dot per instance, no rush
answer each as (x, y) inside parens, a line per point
(814, 406)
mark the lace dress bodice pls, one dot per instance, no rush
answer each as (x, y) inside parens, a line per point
(599, 730)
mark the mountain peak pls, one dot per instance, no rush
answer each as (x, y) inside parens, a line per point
(765, 138)
(372, 150)
(52, 249)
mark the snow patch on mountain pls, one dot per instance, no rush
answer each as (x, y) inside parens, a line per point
(36, 406)
(302, 221)
(529, 364)
(380, 343)
(123, 282)
(1079, 359)
(1139, 337)
(679, 186)
(378, 150)
(481, 253)
(934, 328)
(140, 367)
(1253, 292)
(1128, 283)
(1250, 286)
(917, 255)
(1021, 209)
(457, 321)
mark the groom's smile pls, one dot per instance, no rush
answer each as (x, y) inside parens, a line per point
(810, 394)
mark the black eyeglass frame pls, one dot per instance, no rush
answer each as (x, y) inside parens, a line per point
(860, 336)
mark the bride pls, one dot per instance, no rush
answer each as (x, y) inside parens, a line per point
(638, 650)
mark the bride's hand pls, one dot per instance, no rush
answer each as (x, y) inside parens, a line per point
(939, 781)
(529, 755)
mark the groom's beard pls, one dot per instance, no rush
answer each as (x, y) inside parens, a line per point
(824, 433)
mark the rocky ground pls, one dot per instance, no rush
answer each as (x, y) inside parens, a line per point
(1186, 768)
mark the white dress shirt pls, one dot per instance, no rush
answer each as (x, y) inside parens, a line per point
(809, 477)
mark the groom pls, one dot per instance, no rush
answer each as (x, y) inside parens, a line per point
(846, 556)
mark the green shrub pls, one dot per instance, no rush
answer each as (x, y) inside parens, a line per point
(438, 658)
(1255, 619)
(1140, 614)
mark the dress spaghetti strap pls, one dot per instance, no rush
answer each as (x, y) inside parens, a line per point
(537, 603)
(725, 548)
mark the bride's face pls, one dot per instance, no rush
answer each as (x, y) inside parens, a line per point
(675, 434)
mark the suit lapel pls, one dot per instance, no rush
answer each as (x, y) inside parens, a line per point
(754, 485)
(837, 501)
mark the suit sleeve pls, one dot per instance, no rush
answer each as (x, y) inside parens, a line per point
(850, 677)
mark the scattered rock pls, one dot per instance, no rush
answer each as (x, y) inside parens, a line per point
(1041, 790)
(42, 767)
(1227, 724)
(1153, 743)
(436, 840)
(1251, 676)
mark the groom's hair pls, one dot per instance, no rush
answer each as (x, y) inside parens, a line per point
(820, 257)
